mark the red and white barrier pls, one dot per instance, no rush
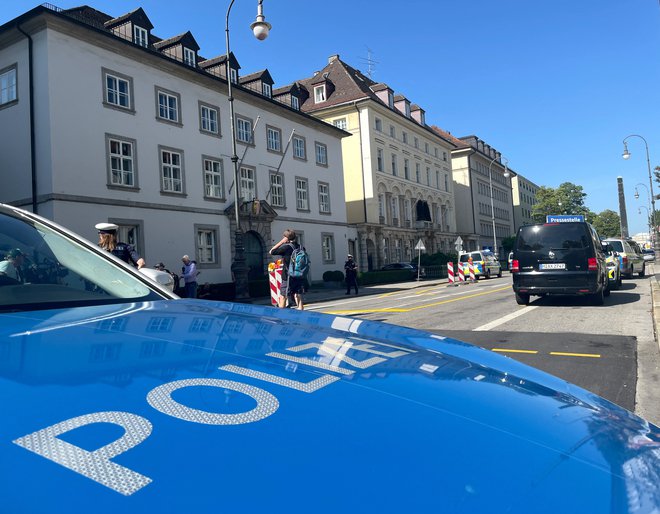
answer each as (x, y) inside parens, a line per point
(450, 273)
(275, 280)
(471, 270)
(461, 272)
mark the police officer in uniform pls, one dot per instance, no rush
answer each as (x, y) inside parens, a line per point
(108, 241)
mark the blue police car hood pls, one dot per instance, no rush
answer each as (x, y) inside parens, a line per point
(194, 406)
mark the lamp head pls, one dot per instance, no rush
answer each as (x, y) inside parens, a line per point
(260, 27)
(626, 153)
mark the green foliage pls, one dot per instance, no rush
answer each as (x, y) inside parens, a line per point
(607, 223)
(435, 259)
(507, 245)
(568, 198)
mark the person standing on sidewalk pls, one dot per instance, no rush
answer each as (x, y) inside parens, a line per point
(350, 270)
(189, 274)
(291, 286)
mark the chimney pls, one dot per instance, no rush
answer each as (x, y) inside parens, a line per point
(333, 58)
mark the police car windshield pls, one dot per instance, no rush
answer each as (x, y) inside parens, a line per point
(41, 268)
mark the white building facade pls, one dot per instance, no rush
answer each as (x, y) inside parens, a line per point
(103, 121)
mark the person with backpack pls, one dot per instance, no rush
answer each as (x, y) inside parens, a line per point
(296, 266)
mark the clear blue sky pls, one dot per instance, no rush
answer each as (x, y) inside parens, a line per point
(555, 85)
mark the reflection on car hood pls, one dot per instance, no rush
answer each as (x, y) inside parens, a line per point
(194, 406)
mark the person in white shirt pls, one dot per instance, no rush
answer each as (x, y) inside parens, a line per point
(11, 266)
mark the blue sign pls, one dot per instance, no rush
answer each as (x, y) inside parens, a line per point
(563, 218)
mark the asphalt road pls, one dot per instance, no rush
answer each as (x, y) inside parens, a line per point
(594, 347)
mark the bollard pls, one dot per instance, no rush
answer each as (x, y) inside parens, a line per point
(275, 280)
(461, 273)
(471, 269)
(450, 273)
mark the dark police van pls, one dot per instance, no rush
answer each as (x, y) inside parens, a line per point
(561, 257)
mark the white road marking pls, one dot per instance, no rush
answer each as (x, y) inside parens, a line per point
(508, 317)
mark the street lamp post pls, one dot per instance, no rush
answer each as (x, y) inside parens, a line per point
(648, 216)
(626, 155)
(492, 206)
(239, 268)
(648, 209)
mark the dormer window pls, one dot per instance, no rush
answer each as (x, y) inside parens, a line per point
(189, 57)
(407, 110)
(266, 90)
(234, 75)
(390, 99)
(422, 118)
(319, 94)
(140, 36)
(295, 103)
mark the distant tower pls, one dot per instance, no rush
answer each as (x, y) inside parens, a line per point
(622, 208)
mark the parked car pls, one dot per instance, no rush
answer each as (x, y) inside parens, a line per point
(632, 260)
(484, 262)
(119, 397)
(559, 258)
(613, 261)
(648, 255)
(412, 268)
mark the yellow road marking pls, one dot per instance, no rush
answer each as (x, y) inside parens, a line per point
(424, 306)
(565, 354)
(513, 351)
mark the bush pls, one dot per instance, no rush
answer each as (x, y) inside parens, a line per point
(333, 276)
(437, 259)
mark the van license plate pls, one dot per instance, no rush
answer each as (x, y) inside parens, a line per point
(553, 265)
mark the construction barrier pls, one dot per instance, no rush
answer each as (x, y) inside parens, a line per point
(461, 272)
(275, 280)
(450, 273)
(471, 270)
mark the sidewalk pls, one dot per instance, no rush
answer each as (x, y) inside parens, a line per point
(321, 294)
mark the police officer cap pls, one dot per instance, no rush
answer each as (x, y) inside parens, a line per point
(106, 228)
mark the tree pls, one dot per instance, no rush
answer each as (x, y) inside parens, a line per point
(568, 198)
(607, 223)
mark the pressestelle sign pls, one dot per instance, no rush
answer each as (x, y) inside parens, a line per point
(563, 218)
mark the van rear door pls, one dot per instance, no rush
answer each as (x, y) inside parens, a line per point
(561, 247)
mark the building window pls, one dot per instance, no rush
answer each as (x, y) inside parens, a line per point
(168, 106)
(417, 172)
(295, 103)
(121, 156)
(266, 90)
(8, 90)
(277, 189)
(395, 207)
(244, 130)
(416, 143)
(341, 123)
(189, 57)
(140, 36)
(299, 148)
(444, 156)
(394, 165)
(390, 99)
(321, 154)
(274, 139)
(319, 94)
(392, 131)
(208, 119)
(328, 248)
(379, 159)
(302, 197)
(426, 148)
(207, 248)
(381, 208)
(404, 137)
(171, 170)
(379, 125)
(248, 185)
(406, 169)
(233, 74)
(213, 184)
(117, 90)
(324, 198)
(437, 179)
(407, 110)
(428, 176)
